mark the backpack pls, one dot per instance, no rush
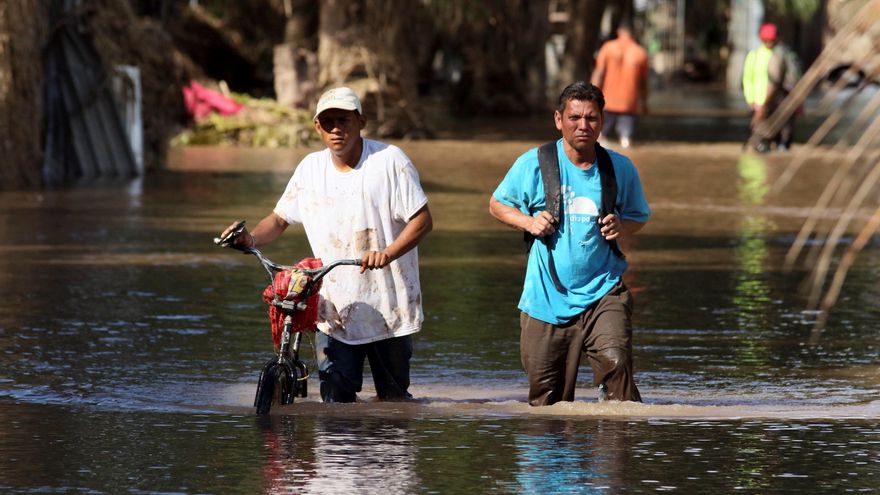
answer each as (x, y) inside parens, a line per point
(793, 70)
(549, 163)
(788, 64)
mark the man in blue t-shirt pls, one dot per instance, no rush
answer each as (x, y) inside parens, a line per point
(574, 299)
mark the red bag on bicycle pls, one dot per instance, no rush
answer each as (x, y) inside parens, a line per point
(289, 285)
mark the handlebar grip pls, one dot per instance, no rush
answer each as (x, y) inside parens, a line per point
(324, 270)
(347, 262)
(236, 231)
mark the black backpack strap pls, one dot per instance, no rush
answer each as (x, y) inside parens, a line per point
(609, 191)
(548, 160)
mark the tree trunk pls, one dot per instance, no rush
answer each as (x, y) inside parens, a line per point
(582, 38)
(295, 61)
(496, 53)
(301, 28)
(367, 45)
(22, 36)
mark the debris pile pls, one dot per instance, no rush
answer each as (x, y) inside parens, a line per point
(260, 122)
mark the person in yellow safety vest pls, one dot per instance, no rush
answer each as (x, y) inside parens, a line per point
(769, 74)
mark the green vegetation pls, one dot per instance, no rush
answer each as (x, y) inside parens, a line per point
(263, 122)
(802, 9)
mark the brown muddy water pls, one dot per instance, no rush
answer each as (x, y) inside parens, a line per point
(131, 344)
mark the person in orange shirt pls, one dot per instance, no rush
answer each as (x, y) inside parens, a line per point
(622, 74)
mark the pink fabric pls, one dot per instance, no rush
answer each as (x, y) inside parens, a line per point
(201, 101)
(303, 321)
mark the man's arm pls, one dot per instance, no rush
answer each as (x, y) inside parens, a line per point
(539, 226)
(643, 88)
(265, 232)
(415, 230)
(598, 76)
(599, 70)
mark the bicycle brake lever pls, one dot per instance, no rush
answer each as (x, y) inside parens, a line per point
(226, 241)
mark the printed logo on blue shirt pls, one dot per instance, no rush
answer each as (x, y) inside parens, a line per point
(579, 209)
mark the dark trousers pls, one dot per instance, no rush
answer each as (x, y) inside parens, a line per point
(622, 125)
(782, 140)
(551, 353)
(341, 367)
(784, 137)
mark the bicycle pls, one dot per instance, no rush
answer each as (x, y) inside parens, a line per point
(285, 377)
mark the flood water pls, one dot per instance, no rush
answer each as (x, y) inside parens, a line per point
(131, 344)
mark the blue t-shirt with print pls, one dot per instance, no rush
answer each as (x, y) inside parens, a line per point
(585, 265)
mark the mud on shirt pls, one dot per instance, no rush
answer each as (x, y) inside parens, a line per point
(347, 213)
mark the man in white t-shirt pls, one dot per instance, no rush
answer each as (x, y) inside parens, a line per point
(358, 198)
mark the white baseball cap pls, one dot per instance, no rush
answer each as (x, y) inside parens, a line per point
(342, 98)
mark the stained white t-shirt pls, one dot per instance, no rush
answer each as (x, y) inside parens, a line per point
(348, 213)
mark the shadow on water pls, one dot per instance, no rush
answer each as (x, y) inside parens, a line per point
(131, 344)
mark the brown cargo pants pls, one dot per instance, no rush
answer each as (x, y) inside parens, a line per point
(551, 353)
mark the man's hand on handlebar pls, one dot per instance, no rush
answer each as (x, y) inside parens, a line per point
(374, 260)
(236, 235)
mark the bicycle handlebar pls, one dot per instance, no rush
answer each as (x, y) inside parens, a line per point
(272, 268)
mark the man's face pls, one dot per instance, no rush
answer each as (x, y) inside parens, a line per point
(340, 129)
(580, 124)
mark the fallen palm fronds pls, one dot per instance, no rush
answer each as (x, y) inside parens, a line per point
(854, 185)
(846, 262)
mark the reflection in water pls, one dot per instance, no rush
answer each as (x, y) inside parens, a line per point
(751, 296)
(753, 184)
(358, 456)
(288, 456)
(559, 457)
(53, 449)
(338, 455)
